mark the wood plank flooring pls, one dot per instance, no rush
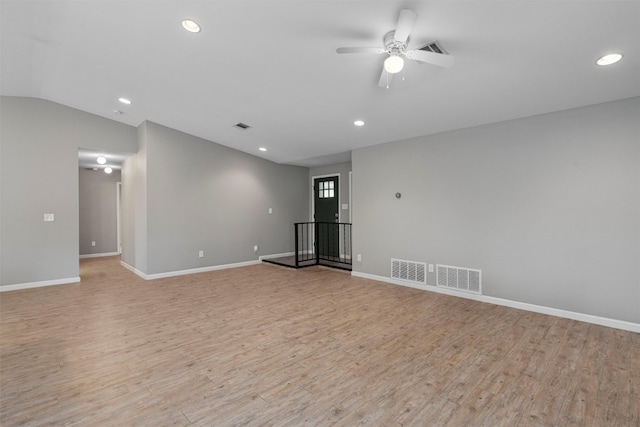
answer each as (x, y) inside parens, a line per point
(270, 346)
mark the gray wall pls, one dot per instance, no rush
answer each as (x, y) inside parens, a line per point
(204, 196)
(343, 169)
(548, 207)
(39, 141)
(98, 211)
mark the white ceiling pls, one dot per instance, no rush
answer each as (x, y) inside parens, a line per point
(272, 64)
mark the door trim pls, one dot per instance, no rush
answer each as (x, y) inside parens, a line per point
(350, 201)
(118, 214)
(313, 200)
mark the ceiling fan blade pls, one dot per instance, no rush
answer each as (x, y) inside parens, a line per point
(360, 50)
(433, 58)
(406, 21)
(385, 79)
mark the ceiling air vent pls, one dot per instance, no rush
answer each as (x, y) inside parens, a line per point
(433, 46)
(242, 126)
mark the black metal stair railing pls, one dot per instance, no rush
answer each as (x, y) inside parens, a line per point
(324, 243)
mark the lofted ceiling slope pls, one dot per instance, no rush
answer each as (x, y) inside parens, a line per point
(273, 65)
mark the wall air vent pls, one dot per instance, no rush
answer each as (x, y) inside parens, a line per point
(411, 271)
(433, 46)
(242, 126)
(459, 278)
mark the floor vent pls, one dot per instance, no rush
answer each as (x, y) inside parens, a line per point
(462, 279)
(410, 271)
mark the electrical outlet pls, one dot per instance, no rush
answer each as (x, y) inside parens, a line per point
(255, 248)
(270, 211)
(430, 268)
(93, 243)
(201, 254)
(49, 217)
(359, 257)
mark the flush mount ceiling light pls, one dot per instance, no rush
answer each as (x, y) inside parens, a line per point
(262, 149)
(125, 101)
(101, 160)
(393, 64)
(190, 26)
(108, 170)
(609, 59)
(358, 123)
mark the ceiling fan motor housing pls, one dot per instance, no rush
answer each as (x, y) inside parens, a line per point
(391, 45)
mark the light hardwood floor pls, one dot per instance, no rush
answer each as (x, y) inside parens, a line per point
(264, 345)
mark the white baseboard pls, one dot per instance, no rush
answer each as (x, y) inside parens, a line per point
(133, 270)
(588, 318)
(261, 257)
(99, 255)
(41, 284)
(202, 269)
(185, 272)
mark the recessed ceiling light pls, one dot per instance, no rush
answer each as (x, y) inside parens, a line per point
(190, 26)
(125, 101)
(358, 123)
(609, 59)
(262, 149)
(108, 170)
(101, 160)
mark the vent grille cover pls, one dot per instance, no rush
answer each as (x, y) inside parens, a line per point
(242, 126)
(433, 46)
(459, 278)
(410, 271)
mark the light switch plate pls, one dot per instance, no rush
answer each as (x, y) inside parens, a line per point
(48, 217)
(345, 206)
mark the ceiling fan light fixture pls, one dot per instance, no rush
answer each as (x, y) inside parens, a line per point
(393, 64)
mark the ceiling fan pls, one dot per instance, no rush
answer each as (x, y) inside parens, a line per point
(395, 45)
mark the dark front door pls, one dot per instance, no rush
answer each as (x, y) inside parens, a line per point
(325, 192)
